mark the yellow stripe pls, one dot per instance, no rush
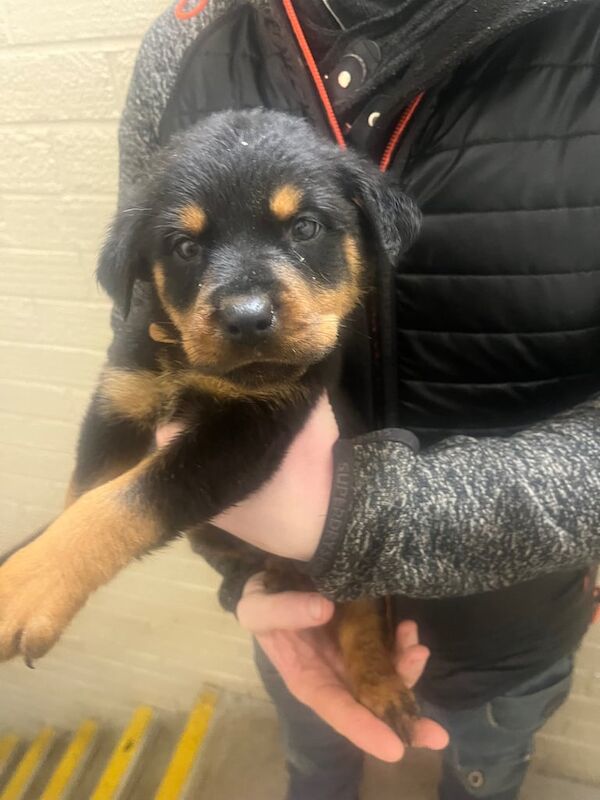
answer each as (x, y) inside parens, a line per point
(28, 766)
(8, 746)
(124, 755)
(190, 741)
(72, 762)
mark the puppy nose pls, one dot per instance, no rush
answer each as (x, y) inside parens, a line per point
(246, 318)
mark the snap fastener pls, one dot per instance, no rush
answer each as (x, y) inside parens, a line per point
(476, 779)
(344, 79)
(372, 118)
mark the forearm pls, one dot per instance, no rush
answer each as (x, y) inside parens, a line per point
(465, 516)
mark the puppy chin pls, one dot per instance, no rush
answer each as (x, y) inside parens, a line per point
(258, 374)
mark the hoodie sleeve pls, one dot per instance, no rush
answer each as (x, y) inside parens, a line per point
(466, 516)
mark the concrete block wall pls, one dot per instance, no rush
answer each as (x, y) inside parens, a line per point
(156, 632)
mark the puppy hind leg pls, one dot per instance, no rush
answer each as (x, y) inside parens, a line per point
(369, 663)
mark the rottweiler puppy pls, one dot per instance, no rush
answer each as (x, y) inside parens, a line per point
(233, 273)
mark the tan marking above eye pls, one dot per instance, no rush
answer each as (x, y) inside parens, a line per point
(193, 219)
(285, 201)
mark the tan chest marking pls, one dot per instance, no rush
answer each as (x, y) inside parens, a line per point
(138, 395)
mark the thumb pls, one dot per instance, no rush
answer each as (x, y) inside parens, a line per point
(260, 612)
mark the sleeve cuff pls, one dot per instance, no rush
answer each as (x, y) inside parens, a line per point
(343, 491)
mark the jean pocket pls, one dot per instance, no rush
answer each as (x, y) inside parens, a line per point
(532, 704)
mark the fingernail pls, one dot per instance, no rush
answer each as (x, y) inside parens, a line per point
(315, 607)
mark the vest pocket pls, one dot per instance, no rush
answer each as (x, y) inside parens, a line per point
(530, 705)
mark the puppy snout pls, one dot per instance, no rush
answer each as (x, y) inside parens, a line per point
(247, 319)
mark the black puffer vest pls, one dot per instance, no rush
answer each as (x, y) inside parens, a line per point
(499, 302)
(497, 318)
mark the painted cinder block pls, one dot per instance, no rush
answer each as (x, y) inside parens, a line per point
(51, 274)
(156, 633)
(72, 223)
(55, 322)
(60, 21)
(60, 158)
(56, 85)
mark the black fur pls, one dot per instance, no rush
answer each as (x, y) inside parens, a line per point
(211, 164)
(233, 277)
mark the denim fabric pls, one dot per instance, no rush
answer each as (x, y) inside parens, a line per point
(488, 755)
(491, 745)
(321, 764)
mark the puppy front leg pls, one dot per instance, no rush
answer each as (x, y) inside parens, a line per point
(201, 473)
(44, 584)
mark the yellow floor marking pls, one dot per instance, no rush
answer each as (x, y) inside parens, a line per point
(8, 747)
(187, 748)
(124, 756)
(28, 766)
(72, 763)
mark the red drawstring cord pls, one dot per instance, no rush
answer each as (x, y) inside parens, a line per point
(400, 128)
(182, 14)
(314, 71)
(402, 123)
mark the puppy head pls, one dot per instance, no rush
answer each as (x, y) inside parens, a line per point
(256, 234)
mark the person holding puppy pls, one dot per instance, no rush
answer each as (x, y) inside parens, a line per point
(482, 522)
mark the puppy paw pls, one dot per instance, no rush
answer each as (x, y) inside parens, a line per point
(390, 700)
(37, 601)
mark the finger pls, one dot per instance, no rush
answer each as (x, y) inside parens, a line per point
(334, 704)
(429, 734)
(255, 584)
(407, 635)
(290, 611)
(411, 664)
(167, 432)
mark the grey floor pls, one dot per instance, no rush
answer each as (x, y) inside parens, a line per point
(243, 761)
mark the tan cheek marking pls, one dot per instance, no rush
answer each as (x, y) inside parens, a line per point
(353, 258)
(322, 308)
(158, 273)
(197, 333)
(193, 219)
(135, 395)
(285, 201)
(158, 334)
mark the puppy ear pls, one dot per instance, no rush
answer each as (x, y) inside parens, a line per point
(392, 217)
(123, 257)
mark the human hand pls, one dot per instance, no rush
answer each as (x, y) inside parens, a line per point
(302, 483)
(290, 629)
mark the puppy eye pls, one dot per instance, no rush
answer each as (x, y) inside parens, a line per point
(186, 249)
(305, 228)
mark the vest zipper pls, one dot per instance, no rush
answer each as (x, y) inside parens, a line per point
(399, 130)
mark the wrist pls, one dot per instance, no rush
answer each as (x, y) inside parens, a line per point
(286, 515)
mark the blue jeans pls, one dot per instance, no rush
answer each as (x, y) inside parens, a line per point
(488, 756)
